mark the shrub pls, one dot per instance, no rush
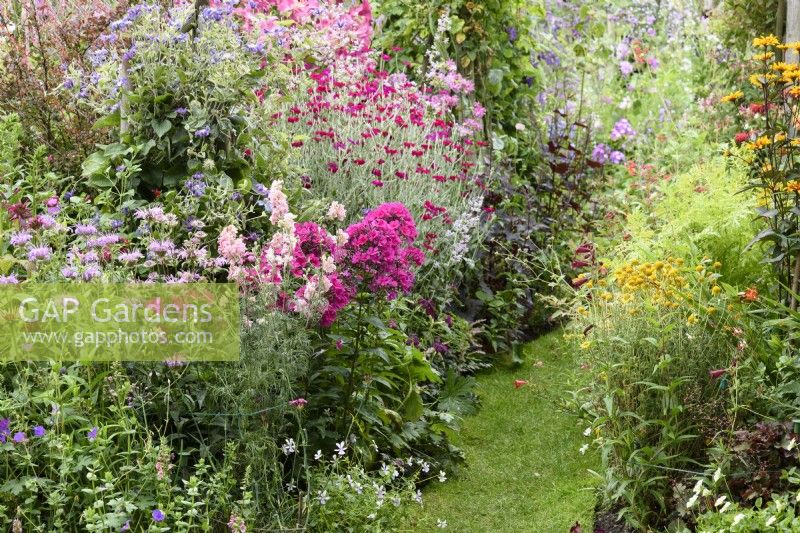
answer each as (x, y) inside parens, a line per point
(660, 339)
(77, 454)
(36, 40)
(698, 213)
(194, 100)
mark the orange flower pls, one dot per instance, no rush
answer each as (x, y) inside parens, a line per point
(751, 295)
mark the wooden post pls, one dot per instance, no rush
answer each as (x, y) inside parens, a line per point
(792, 28)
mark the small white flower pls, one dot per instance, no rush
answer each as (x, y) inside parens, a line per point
(583, 449)
(396, 501)
(322, 496)
(426, 467)
(371, 516)
(698, 486)
(418, 497)
(717, 475)
(318, 455)
(442, 476)
(691, 501)
(725, 507)
(738, 518)
(290, 487)
(441, 524)
(519, 126)
(720, 500)
(289, 447)
(771, 520)
(341, 448)
(587, 432)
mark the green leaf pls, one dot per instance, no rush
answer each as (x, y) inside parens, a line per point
(97, 163)
(161, 128)
(115, 150)
(413, 406)
(108, 121)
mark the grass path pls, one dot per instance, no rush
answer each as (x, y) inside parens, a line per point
(524, 472)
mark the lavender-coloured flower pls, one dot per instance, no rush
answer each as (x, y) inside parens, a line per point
(20, 237)
(92, 434)
(622, 129)
(85, 229)
(39, 431)
(40, 253)
(600, 153)
(130, 257)
(196, 187)
(202, 133)
(158, 515)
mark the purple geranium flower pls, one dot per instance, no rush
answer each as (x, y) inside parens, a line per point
(38, 431)
(158, 515)
(92, 434)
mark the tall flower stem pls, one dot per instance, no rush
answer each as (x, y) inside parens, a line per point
(360, 331)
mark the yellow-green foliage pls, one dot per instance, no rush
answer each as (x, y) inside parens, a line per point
(700, 213)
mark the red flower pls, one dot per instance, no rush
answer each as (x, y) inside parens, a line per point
(750, 295)
(377, 183)
(519, 383)
(717, 373)
(741, 137)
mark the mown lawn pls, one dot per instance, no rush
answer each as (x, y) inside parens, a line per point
(525, 472)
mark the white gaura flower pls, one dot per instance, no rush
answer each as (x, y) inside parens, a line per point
(289, 447)
(341, 448)
(442, 476)
(587, 432)
(318, 455)
(583, 449)
(691, 501)
(322, 496)
(771, 520)
(738, 518)
(720, 500)
(441, 524)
